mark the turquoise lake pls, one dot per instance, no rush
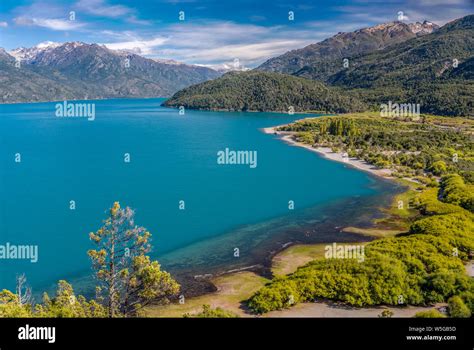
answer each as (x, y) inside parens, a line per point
(172, 157)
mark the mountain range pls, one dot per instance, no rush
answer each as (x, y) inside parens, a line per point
(418, 63)
(76, 70)
(318, 61)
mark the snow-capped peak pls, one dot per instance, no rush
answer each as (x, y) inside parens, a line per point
(226, 67)
(30, 54)
(27, 54)
(47, 45)
(426, 27)
(396, 26)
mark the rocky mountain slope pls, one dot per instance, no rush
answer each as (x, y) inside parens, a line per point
(320, 60)
(76, 70)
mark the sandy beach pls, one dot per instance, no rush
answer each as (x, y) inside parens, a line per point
(326, 152)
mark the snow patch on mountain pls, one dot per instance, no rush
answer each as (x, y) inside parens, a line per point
(29, 54)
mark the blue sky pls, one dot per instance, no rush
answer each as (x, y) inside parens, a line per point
(214, 32)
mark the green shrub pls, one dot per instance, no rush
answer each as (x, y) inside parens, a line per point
(438, 168)
(429, 314)
(457, 308)
(454, 190)
(208, 312)
(422, 267)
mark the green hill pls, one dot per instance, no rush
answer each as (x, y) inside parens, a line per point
(265, 91)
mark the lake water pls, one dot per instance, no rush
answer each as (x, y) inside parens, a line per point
(172, 158)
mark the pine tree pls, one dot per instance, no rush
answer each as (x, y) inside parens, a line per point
(128, 279)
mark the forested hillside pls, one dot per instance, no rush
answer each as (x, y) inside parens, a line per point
(264, 91)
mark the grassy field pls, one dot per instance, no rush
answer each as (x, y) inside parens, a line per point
(291, 258)
(400, 214)
(232, 289)
(372, 232)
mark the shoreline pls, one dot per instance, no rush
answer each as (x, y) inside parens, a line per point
(330, 228)
(228, 284)
(327, 153)
(76, 99)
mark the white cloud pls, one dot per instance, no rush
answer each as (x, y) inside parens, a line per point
(142, 47)
(134, 20)
(41, 9)
(248, 54)
(3, 24)
(47, 14)
(213, 42)
(100, 8)
(50, 23)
